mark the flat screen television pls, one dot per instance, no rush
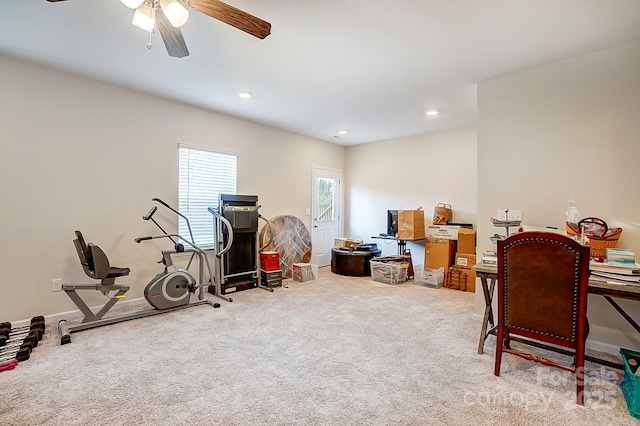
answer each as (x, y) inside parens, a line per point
(392, 223)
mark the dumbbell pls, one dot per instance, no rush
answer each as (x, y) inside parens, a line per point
(36, 334)
(37, 329)
(33, 337)
(20, 352)
(37, 325)
(35, 320)
(20, 348)
(30, 340)
(7, 330)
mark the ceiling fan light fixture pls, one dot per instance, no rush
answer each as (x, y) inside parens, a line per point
(143, 18)
(132, 4)
(176, 13)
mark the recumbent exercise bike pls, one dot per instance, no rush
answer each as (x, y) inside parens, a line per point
(168, 291)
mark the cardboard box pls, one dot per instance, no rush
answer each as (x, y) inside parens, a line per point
(448, 232)
(458, 278)
(351, 243)
(471, 279)
(466, 241)
(339, 242)
(304, 271)
(464, 260)
(439, 253)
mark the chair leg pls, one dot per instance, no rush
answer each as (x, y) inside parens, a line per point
(580, 378)
(499, 343)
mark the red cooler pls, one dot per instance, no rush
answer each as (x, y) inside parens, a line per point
(270, 261)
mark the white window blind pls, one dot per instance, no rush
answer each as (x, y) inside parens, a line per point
(203, 175)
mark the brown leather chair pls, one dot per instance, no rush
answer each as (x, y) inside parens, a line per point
(542, 295)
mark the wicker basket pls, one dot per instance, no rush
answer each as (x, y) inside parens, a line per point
(598, 244)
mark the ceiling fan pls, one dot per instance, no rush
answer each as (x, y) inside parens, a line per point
(169, 15)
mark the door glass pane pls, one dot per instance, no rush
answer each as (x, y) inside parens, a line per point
(326, 199)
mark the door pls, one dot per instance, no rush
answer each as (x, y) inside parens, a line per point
(326, 220)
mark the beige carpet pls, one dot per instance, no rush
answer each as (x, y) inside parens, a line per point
(334, 351)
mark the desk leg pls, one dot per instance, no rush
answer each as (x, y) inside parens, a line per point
(623, 313)
(488, 286)
(402, 247)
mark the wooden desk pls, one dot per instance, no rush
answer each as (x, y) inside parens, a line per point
(489, 276)
(402, 244)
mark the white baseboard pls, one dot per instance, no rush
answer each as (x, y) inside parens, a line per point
(603, 347)
(591, 345)
(57, 317)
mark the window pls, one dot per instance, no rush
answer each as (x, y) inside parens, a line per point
(326, 199)
(203, 175)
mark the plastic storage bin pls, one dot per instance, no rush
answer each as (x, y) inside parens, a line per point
(631, 383)
(389, 270)
(429, 277)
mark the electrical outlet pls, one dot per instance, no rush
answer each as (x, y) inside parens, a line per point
(56, 284)
(510, 214)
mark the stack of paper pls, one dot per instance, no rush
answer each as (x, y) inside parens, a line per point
(604, 271)
(490, 258)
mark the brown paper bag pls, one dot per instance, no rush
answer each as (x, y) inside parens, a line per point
(442, 214)
(411, 224)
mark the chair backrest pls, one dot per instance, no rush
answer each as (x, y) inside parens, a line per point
(93, 260)
(86, 259)
(543, 283)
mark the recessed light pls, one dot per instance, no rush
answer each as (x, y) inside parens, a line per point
(245, 94)
(432, 112)
(342, 132)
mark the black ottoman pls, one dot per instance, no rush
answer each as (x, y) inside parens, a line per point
(354, 263)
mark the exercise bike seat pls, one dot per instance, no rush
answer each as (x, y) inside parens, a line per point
(95, 263)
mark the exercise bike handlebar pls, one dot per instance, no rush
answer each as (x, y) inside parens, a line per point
(179, 214)
(150, 213)
(149, 216)
(170, 236)
(229, 228)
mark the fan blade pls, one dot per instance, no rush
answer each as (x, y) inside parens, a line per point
(232, 16)
(53, 1)
(171, 36)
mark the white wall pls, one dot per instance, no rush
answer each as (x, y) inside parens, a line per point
(78, 154)
(570, 129)
(407, 173)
